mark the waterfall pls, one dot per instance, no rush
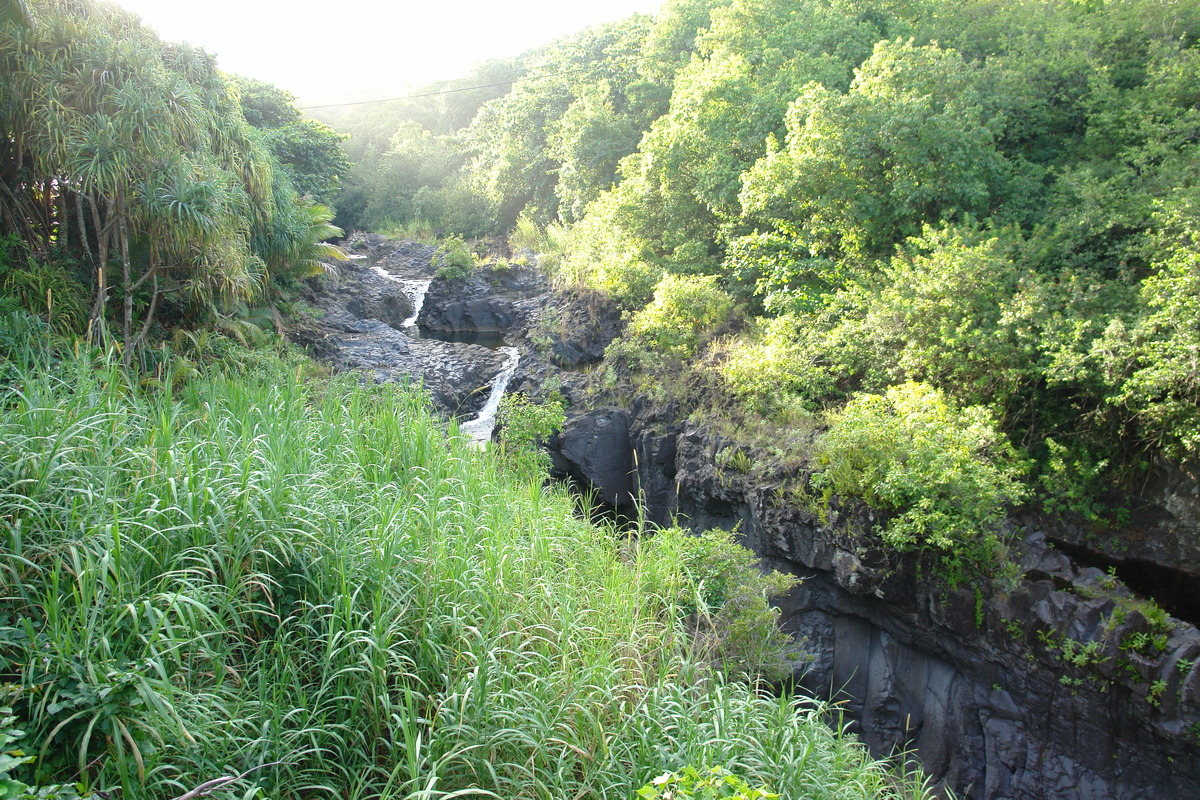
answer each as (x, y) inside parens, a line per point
(415, 289)
(480, 429)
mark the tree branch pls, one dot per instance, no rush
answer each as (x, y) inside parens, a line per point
(216, 784)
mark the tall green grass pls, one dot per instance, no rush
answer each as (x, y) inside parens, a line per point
(313, 586)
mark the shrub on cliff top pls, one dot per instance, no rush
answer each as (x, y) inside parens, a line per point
(948, 473)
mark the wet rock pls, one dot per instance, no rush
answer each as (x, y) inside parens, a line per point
(485, 303)
(457, 376)
(577, 326)
(359, 291)
(362, 328)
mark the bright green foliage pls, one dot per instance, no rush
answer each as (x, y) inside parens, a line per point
(48, 288)
(723, 596)
(943, 311)
(756, 56)
(781, 272)
(1152, 363)
(315, 584)
(588, 141)
(713, 783)
(912, 141)
(684, 179)
(453, 259)
(684, 308)
(524, 426)
(606, 250)
(783, 359)
(947, 473)
(995, 199)
(310, 152)
(949, 309)
(553, 143)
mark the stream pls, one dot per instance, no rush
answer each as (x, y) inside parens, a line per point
(416, 289)
(480, 428)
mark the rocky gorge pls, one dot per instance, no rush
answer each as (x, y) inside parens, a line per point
(1056, 681)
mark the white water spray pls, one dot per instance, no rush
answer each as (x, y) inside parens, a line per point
(480, 429)
(415, 289)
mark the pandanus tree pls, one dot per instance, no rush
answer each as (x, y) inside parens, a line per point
(14, 11)
(136, 152)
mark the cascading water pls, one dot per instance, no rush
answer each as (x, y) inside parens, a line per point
(480, 429)
(415, 289)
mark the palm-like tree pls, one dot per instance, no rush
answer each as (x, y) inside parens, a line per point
(137, 150)
(14, 11)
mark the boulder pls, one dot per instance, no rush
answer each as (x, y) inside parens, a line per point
(594, 450)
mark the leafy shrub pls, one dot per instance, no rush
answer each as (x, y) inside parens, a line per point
(783, 271)
(549, 245)
(946, 472)
(606, 255)
(1154, 364)
(722, 596)
(46, 288)
(524, 425)
(453, 259)
(690, 783)
(781, 359)
(12, 758)
(684, 308)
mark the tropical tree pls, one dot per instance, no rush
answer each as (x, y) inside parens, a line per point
(136, 152)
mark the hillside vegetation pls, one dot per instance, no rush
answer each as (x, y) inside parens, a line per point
(309, 584)
(224, 573)
(804, 204)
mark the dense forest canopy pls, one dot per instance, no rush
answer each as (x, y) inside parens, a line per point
(997, 199)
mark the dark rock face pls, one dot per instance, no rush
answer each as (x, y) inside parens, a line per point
(457, 376)
(362, 328)
(1167, 531)
(994, 691)
(486, 303)
(594, 448)
(363, 293)
(578, 326)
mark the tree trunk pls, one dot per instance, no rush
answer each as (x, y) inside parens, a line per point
(153, 303)
(84, 241)
(103, 232)
(127, 288)
(64, 223)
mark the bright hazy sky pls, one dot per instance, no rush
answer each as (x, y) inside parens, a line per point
(351, 49)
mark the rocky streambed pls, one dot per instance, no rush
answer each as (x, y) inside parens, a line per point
(368, 320)
(1057, 683)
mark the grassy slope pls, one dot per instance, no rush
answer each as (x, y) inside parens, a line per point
(268, 570)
